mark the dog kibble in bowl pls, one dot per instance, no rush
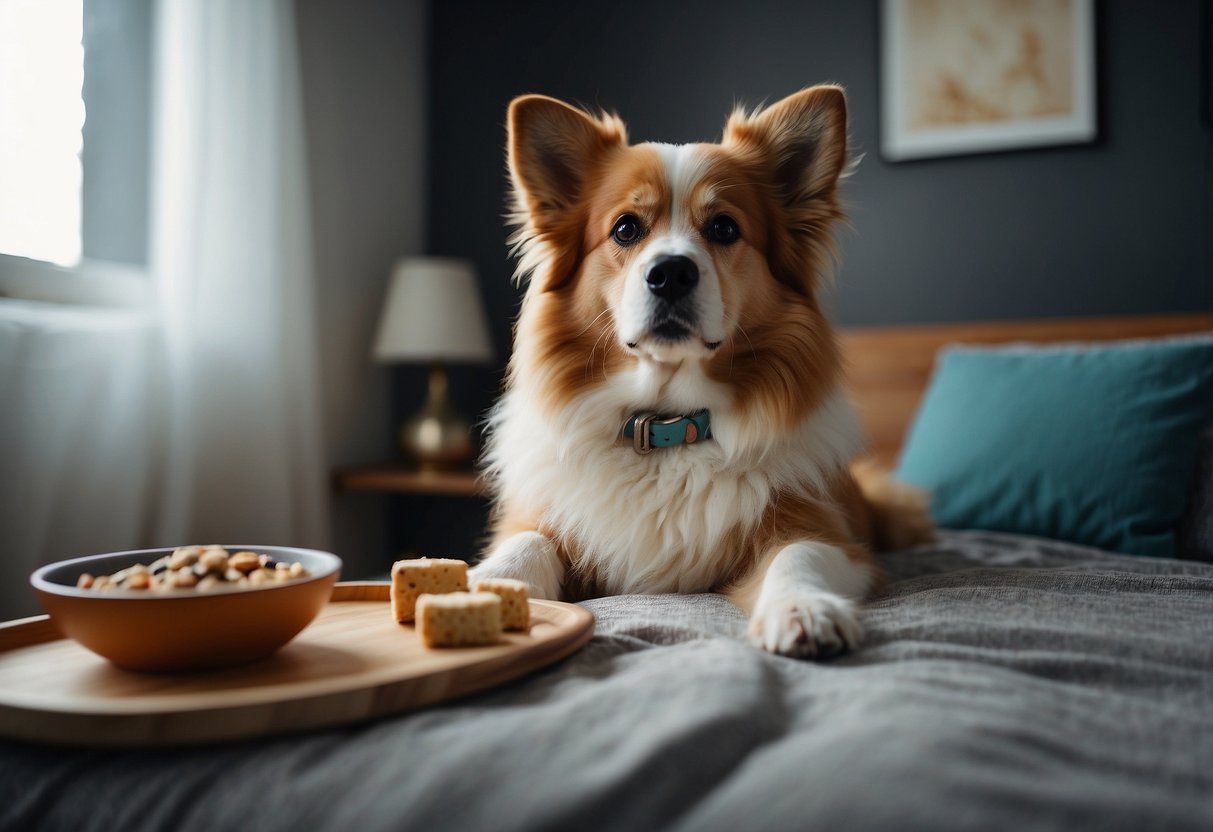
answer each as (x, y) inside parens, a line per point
(198, 568)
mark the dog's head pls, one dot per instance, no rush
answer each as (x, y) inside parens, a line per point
(656, 254)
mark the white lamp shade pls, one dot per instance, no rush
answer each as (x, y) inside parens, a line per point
(433, 313)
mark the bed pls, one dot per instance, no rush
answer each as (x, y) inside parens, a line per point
(1005, 682)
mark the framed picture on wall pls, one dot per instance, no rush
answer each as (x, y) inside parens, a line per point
(976, 76)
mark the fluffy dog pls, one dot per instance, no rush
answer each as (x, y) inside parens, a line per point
(674, 418)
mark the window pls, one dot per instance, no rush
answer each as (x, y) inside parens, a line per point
(75, 136)
(41, 123)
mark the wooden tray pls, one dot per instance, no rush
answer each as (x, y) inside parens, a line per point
(352, 663)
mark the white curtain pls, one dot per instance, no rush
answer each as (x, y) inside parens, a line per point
(77, 437)
(231, 249)
(198, 421)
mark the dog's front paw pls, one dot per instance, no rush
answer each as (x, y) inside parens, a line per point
(806, 625)
(528, 557)
(489, 571)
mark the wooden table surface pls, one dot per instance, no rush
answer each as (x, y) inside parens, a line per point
(352, 663)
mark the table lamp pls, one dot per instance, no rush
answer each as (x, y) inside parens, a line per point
(434, 315)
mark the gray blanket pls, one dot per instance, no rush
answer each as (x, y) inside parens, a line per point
(1005, 683)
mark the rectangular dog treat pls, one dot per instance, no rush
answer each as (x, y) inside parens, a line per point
(411, 578)
(515, 611)
(458, 618)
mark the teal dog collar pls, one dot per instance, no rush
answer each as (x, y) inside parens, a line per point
(648, 430)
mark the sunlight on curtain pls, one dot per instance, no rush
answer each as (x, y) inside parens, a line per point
(231, 249)
(197, 421)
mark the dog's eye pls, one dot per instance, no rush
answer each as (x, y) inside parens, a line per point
(723, 229)
(627, 230)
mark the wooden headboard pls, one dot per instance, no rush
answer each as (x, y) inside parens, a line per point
(888, 367)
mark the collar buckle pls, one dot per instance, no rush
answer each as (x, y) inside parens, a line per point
(642, 434)
(642, 440)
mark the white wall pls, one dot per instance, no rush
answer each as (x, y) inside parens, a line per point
(364, 66)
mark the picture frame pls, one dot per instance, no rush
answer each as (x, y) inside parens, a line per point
(979, 76)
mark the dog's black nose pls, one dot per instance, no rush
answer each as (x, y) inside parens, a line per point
(672, 277)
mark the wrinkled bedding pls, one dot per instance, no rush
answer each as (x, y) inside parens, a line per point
(1005, 682)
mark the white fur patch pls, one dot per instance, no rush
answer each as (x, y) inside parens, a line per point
(684, 165)
(811, 566)
(808, 603)
(657, 523)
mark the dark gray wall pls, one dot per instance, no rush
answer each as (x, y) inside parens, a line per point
(364, 67)
(1121, 226)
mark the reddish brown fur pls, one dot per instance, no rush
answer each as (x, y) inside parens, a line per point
(782, 360)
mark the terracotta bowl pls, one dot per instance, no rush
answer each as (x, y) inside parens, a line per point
(184, 630)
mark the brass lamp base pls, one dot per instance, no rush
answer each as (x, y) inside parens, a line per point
(437, 438)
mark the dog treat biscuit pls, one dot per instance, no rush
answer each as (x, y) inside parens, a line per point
(458, 619)
(411, 578)
(515, 611)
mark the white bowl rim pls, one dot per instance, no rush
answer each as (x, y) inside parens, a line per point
(38, 579)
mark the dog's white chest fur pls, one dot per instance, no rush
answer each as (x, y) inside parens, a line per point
(671, 521)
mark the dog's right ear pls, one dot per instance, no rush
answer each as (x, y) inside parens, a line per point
(552, 149)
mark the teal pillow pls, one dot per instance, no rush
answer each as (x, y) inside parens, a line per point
(1087, 443)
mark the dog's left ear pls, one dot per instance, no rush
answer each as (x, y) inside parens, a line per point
(804, 137)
